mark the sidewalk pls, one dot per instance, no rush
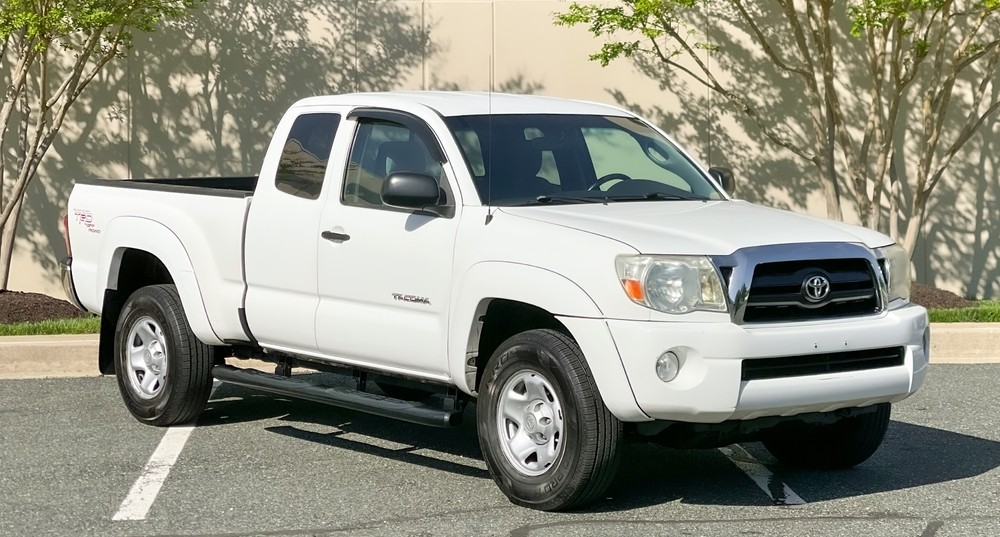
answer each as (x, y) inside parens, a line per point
(76, 355)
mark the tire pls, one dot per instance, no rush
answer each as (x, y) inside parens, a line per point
(567, 440)
(843, 444)
(164, 372)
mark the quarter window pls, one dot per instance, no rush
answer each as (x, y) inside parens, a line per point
(306, 154)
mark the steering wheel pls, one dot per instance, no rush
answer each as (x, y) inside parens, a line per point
(607, 179)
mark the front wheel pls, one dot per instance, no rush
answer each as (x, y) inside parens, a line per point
(548, 440)
(164, 372)
(842, 444)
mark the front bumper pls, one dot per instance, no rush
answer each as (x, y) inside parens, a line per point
(66, 264)
(709, 387)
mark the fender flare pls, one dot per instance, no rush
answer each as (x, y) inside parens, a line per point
(553, 293)
(129, 232)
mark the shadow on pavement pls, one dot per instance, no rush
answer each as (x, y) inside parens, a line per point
(912, 455)
(409, 443)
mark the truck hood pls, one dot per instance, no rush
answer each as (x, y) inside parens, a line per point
(697, 227)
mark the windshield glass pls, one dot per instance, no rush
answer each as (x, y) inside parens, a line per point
(543, 159)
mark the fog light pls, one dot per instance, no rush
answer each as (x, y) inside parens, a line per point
(667, 366)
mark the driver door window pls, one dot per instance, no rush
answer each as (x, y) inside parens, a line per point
(381, 148)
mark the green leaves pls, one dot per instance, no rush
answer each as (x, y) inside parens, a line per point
(652, 20)
(46, 22)
(611, 51)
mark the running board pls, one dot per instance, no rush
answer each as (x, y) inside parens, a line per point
(380, 405)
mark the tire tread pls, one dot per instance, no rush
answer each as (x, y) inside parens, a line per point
(190, 365)
(599, 454)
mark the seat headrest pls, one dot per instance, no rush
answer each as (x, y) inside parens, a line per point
(400, 157)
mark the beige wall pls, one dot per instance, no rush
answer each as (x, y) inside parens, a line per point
(202, 98)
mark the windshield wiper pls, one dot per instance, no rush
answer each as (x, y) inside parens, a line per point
(554, 199)
(547, 199)
(655, 196)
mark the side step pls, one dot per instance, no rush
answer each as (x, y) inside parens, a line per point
(411, 411)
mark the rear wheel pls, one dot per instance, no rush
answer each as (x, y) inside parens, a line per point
(548, 440)
(164, 372)
(843, 444)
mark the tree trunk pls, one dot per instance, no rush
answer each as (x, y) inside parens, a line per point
(915, 224)
(831, 190)
(895, 196)
(7, 237)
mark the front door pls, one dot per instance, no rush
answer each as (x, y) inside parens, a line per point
(384, 273)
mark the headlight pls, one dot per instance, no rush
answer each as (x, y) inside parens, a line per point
(897, 272)
(672, 284)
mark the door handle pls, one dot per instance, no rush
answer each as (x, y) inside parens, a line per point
(335, 237)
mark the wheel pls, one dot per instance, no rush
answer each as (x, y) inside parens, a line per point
(607, 179)
(548, 440)
(843, 444)
(164, 372)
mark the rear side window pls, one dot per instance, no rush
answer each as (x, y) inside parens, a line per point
(305, 155)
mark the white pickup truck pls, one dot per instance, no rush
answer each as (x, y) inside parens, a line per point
(564, 264)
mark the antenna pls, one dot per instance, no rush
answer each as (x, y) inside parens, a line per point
(489, 147)
(489, 116)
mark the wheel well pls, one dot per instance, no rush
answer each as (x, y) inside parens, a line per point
(135, 269)
(503, 319)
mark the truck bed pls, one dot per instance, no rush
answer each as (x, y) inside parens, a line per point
(209, 186)
(194, 225)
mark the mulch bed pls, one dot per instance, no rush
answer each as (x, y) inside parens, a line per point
(932, 297)
(18, 307)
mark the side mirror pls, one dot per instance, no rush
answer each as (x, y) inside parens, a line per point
(725, 178)
(411, 190)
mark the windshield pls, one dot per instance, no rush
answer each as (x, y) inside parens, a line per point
(543, 159)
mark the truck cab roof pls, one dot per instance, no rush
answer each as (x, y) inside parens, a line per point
(464, 103)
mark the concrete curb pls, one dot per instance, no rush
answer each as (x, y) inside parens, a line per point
(76, 355)
(48, 356)
(965, 343)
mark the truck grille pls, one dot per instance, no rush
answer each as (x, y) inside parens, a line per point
(816, 364)
(778, 291)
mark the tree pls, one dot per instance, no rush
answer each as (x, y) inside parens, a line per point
(50, 51)
(930, 70)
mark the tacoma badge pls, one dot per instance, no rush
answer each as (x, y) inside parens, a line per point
(411, 298)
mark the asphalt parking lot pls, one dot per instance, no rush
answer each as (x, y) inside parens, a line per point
(73, 462)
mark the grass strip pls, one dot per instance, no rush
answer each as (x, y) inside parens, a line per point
(80, 325)
(986, 311)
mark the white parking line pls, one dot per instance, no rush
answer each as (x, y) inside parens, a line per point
(140, 498)
(136, 505)
(779, 492)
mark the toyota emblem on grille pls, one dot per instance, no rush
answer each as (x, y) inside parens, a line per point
(815, 288)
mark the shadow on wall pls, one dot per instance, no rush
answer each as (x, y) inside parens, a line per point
(517, 84)
(202, 96)
(719, 134)
(208, 107)
(963, 219)
(960, 247)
